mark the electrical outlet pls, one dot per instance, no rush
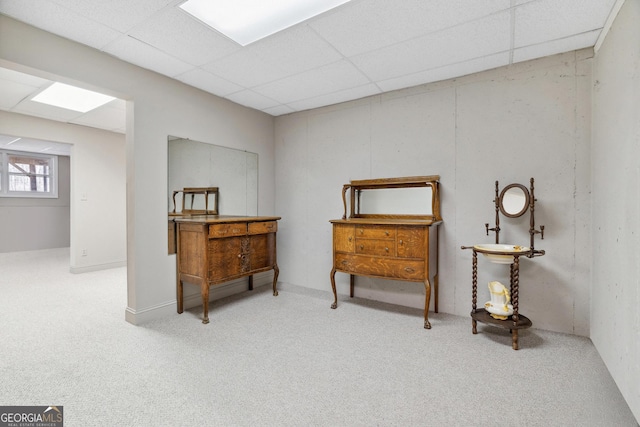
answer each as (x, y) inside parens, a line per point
(84, 252)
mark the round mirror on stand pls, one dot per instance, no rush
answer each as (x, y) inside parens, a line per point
(514, 200)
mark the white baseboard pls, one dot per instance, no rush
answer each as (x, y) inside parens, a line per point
(97, 267)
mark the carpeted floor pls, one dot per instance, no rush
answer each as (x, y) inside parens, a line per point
(280, 361)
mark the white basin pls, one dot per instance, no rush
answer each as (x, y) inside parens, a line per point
(500, 253)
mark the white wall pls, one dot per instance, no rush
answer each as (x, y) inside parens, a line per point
(615, 313)
(509, 124)
(157, 107)
(33, 223)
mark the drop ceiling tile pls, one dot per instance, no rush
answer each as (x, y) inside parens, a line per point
(12, 93)
(252, 99)
(566, 44)
(178, 34)
(106, 117)
(143, 55)
(330, 78)
(208, 82)
(475, 39)
(281, 55)
(336, 97)
(58, 20)
(369, 25)
(447, 72)
(279, 110)
(544, 20)
(121, 15)
(45, 147)
(47, 111)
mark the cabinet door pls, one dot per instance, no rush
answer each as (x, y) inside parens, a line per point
(411, 242)
(228, 257)
(343, 237)
(262, 251)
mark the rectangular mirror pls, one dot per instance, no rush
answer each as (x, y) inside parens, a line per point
(395, 201)
(199, 164)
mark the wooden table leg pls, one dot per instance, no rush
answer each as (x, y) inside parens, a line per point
(251, 282)
(204, 288)
(180, 297)
(352, 283)
(276, 271)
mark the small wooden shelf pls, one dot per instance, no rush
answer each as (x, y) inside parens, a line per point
(482, 315)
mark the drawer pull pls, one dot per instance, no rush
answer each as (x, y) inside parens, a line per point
(350, 238)
(361, 231)
(401, 242)
(361, 247)
(344, 262)
(409, 270)
(386, 249)
(386, 232)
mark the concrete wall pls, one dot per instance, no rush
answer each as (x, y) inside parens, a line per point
(35, 223)
(157, 107)
(509, 124)
(615, 294)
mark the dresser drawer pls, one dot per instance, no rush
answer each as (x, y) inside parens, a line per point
(410, 270)
(227, 230)
(375, 232)
(389, 268)
(376, 247)
(263, 227)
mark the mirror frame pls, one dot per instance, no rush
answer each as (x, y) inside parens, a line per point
(527, 198)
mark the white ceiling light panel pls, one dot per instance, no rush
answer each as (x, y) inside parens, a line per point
(72, 98)
(246, 21)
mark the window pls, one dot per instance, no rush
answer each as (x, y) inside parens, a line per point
(28, 175)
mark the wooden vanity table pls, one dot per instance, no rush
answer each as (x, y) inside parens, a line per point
(213, 249)
(398, 246)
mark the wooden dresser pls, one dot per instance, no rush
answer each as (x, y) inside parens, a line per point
(390, 246)
(213, 249)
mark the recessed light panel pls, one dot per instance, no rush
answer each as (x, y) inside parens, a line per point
(246, 21)
(72, 98)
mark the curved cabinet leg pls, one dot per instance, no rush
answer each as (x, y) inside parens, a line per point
(276, 271)
(514, 339)
(427, 299)
(333, 287)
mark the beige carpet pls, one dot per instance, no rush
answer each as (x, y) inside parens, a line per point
(280, 361)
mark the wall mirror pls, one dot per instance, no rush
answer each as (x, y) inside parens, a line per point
(394, 201)
(199, 164)
(514, 200)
